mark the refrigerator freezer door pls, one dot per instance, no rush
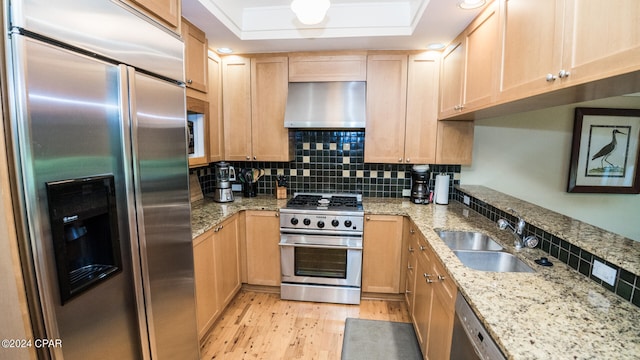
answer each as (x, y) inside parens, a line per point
(67, 123)
(161, 181)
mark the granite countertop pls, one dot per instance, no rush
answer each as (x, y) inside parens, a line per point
(553, 313)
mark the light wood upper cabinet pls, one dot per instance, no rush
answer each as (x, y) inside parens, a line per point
(195, 56)
(386, 108)
(422, 108)
(455, 142)
(305, 67)
(214, 95)
(381, 255)
(452, 77)
(270, 140)
(236, 99)
(166, 12)
(470, 66)
(531, 47)
(262, 247)
(254, 101)
(601, 39)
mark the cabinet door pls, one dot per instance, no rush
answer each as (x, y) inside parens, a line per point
(422, 109)
(422, 301)
(482, 65)
(601, 39)
(204, 266)
(386, 108)
(382, 247)
(227, 261)
(455, 142)
(269, 86)
(236, 87)
(263, 251)
(440, 330)
(452, 77)
(195, 56)
(216, 136)
(166, 12)
(330, 67)
(531, 47)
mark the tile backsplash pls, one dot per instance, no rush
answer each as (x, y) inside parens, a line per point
(333, 161)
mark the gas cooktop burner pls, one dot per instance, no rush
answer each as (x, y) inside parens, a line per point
(325, 201)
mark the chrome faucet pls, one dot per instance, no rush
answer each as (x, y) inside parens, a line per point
(519, 241)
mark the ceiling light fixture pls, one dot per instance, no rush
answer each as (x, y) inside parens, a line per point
(436, 46)
(310, 12)
(224, 50)
(470, 4)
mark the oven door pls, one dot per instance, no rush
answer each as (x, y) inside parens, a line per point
(316, 259)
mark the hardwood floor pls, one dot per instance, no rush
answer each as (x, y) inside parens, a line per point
(258, 325)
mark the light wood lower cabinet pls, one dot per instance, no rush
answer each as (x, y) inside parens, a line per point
(262, 249)
(216, 265)
(432, 299)
(381, 254)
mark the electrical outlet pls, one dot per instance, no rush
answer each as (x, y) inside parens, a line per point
(466, 200)
(604, 272)
(406, 192)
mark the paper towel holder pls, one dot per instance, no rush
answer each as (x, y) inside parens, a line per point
(441, 190)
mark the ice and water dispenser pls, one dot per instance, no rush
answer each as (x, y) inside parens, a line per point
(84, 229)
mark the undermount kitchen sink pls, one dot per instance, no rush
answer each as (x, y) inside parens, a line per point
(468, 240)
(498, 261)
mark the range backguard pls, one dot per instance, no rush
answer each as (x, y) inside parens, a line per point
(84, 229)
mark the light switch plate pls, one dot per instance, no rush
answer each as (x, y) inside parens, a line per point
(406, 192)
(604, 272)
(466, 200)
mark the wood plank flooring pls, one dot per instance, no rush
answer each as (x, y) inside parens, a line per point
(258, 325)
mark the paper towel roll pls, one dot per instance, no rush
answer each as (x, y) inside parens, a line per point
(441, 191)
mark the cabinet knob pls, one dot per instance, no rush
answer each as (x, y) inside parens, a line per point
(277, 214)
(410, 249)
(412, 231)
(400, 160)
(563, 74)
(254, 158)
(368, 218)
(408, 160)
(248, 157)
(441, 277)
(422, 247)
(551, 77)
(428, 278)
(189, 81)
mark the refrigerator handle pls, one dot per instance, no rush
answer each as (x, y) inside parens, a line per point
(134, 208)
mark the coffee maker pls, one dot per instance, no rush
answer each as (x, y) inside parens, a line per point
(224, 175)
(420, 189)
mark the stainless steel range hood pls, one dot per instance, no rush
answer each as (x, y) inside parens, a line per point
(335, 105)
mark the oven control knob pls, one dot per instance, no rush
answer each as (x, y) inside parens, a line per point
(320, 224)
(306, 221)
(294, 221)
(347, 223)
(335, 223)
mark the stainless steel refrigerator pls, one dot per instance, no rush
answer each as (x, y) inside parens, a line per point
(98, 136)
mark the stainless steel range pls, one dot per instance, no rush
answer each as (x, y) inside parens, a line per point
(321, 248)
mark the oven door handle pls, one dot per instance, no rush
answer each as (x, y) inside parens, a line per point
(340, 247)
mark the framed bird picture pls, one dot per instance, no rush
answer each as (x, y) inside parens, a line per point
(605, 151)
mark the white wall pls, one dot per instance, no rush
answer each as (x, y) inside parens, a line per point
(527, 156)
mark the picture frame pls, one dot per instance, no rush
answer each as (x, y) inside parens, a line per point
(605, 152)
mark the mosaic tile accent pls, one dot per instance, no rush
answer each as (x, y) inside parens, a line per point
(627, 284)
(333, 161)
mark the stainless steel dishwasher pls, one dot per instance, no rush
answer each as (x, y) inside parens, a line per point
(470, 339)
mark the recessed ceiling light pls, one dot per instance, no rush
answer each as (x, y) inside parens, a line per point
(310, 12)
(436, 46)
(470, 4)
(224, 50)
